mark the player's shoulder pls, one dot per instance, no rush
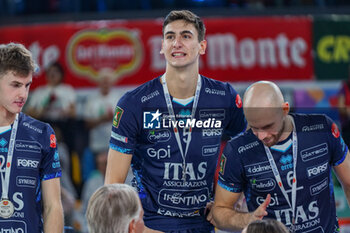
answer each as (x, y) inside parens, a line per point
(311, 122)
(143, 93)
(33, 126)
(216, 84)
(243, 142)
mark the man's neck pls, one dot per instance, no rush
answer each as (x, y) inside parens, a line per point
(6, 118)
(287, 129)
(181, 85)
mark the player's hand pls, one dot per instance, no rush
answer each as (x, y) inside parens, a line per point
(209, 213)
(261, 212)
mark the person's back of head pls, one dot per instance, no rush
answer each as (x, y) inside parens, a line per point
(266, 226)
(16, 58)
(115, 208)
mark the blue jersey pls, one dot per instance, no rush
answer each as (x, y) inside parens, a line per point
(245, 168)
(142, 127)
(35, 159)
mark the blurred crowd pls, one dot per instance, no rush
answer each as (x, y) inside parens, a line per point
(26, 7)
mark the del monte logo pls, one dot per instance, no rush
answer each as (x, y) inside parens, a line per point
(90, 51)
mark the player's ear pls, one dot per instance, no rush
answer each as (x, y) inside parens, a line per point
(132, 226)
(285, 108)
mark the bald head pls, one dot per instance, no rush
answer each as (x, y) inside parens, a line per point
(266, 112)
(263, 94)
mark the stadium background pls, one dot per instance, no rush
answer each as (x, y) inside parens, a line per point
(303, 45)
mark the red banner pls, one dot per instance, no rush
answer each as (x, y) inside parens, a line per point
(239, 49)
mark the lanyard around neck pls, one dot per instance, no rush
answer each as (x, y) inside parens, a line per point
(6, 181)
(277, 175)
(173, 119)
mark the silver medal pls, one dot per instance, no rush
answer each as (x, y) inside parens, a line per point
(6, 208)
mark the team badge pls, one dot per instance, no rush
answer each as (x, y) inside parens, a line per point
(335, 130)
(238, 101)
(117, 116)
(52, 141)
(222, 164)
(6, 208)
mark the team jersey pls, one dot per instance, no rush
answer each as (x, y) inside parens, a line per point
(142, 127)
(245, 168)
(35, 159)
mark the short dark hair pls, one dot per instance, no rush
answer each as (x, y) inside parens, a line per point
(16, 58)
(188, 17)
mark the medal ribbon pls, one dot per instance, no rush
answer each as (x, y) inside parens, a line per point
(277, 174)
(173, 119)
(6, 181)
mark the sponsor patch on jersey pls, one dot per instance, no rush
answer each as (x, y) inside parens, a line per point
(335, 130)
(26, 181)
(119, 137)
(30, 146)
(117, 116)
(52, 141)
(222, 164)
(238, 101)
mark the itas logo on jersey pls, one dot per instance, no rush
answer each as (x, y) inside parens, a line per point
(151, 120)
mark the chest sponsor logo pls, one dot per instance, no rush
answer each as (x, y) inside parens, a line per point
(319, 187)
(30, 146)
(159, 153)
(258, 168)
(306, 218)
(13, 226)
(264, 185)
(217, 114)
(316, 170)
(210, 150)
(246, 147)
(183, 199)
(119, 137)
(162, 135)
(3, 143)
(208, 133)
(314, 152)
(173, 171)
(36, 129)
(27, 163)
(26, 181)
(274, 200)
